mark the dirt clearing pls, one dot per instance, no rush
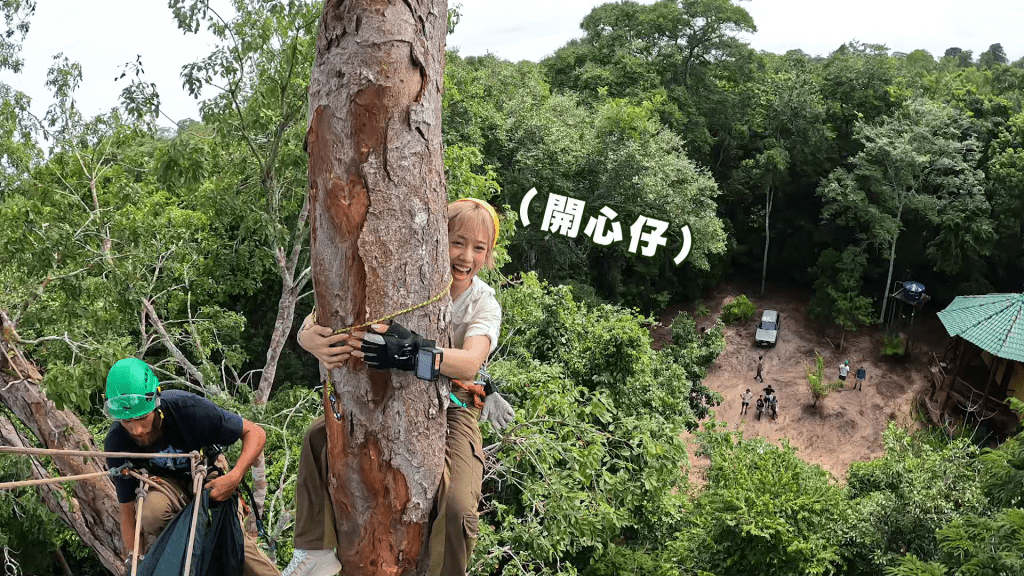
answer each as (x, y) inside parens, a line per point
(846, 426)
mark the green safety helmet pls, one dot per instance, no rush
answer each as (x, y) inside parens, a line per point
(131, 390)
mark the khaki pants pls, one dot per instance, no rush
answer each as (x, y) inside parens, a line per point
(453, 532)
(157, 511)
(455, 529)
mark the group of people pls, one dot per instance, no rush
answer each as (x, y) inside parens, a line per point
(770, 402)
(844, 371)
(171, 424)
(767, 401)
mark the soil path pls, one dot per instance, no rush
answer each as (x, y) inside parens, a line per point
(846, 426)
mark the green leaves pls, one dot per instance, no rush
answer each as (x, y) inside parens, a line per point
(820, 388)
(837, 290)
(763, 511)
(741, 309)
(590, 476)
(901, 499)
(16, 19)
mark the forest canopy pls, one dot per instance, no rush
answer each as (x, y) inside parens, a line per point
(189, 247)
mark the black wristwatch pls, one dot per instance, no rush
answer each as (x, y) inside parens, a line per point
(428, 363)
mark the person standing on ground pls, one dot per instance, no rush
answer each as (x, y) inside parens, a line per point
(861, 375)
(760, 366)
(760, 406)
(844, 370)
(746, 396)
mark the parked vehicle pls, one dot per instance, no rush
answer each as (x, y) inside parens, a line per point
(768, 329)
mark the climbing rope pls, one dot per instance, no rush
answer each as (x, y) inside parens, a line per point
(41, 481)
(140, 497)
(86, 453)
(332, 395)
(77, 453)
(145, 483)
(198, 475)
(394, 315)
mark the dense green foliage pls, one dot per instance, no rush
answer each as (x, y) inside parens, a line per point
(844, 172)
(741, 309)
(763, 511)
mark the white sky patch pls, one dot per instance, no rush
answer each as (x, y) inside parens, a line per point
(104, 35)
(819, 27)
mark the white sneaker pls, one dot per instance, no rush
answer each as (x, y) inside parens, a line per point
(313, 563)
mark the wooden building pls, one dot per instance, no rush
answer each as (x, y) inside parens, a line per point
(983, 363)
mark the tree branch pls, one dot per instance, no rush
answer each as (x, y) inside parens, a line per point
(169, 344)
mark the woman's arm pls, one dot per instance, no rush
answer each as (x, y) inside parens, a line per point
(463, 363)
(332, 349)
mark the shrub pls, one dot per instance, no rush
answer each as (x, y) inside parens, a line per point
(816, 380)
(894, 346)
(739, 310)
(608, 348)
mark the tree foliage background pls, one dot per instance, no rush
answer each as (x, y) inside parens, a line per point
(187, 247)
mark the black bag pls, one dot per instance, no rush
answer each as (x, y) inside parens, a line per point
(219, 544)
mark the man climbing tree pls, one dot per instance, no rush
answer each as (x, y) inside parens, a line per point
(171, 425)
(377, 232)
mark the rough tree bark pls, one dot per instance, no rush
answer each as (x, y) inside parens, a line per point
(93, 511)
(378, 238)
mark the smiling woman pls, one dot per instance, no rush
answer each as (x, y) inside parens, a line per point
(476, 323)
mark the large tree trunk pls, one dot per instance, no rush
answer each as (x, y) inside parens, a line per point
(378, 238)
(92, 511)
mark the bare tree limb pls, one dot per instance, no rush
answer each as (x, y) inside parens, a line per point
(169, 344)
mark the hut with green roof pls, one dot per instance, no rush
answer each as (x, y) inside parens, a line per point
(984, 360)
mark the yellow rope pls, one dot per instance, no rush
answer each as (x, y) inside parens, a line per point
(393, 315)
(438, 296)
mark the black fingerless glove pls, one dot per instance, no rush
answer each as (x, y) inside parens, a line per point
(395, 349)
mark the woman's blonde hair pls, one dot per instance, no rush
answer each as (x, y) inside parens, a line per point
(474, 214)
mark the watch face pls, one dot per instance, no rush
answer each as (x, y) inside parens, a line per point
(428, 363)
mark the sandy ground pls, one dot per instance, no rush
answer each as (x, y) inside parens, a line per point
(846, 426)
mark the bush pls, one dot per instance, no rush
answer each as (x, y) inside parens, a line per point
(921, 484)
(607, 349)
(739, 310)
(816, 380)
(894, 345)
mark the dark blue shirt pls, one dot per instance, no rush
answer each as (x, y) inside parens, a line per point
(189, 423)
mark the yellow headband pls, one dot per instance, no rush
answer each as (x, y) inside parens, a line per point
(491, 211)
